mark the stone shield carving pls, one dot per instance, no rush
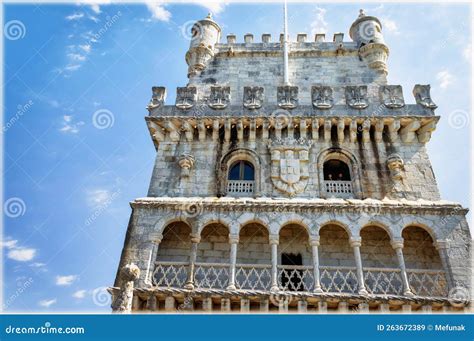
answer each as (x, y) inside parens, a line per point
(287, 96)
(423, 96)
(157, 98)
(220, 97)
(321, 97)
(186, 97)
(253, 97)
(392, 96)
(289, 165)
(356, 97)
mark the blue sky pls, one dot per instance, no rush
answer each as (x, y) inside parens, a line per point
(77, 80)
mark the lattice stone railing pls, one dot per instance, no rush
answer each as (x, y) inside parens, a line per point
(383, 281)
(170, 274)
(341, 189)
(240, 187)
(295, 277)
(253, 276)
(338, 279)
(334, 279)
(427, 282)
(211, 275)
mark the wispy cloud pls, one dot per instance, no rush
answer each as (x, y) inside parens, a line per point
(69, 126)
(77, 57)
(75, 16)
(445, 79)
(79, 294)
(95, 4)
(65, 280)
(18, 253)
(319, 23)
(467, 52)
(389, 26)
(47, 303)
(158, 10)
(98, 197)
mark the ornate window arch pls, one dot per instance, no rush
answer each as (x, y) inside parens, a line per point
(245, 160)
(339, 182)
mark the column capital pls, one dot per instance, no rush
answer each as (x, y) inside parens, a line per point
(355, 241)
(397, 243)
(156, 237)
(441, 244)
(233, 238)
(314, 240)
(195, 238)
(274, 239)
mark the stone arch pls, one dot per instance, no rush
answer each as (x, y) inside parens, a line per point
(256, 220)
(229, 159)
(349, 159)
(176, 242)
(418, 248)
(298, 220)
(423, 226)
(254, 244)
(380, 225)
(294, 242)
(376, 249)
(207, 220)
(339, 223)
(334, 245)
(213, 246)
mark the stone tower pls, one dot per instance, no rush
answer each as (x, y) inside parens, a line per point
(311, 195)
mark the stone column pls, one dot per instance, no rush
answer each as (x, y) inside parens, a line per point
(314, 242)
(274, 239)
(192, 260)
(234, 242)
(442, 247)
(397, 245)
(155, 240)
(356, 243)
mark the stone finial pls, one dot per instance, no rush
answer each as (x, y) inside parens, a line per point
(338, 37)
(186, 162)
(266, 38)
(231, 38)
(321, 97)
(423, 96)
(157, 98)
(392, 96)
(361, 13)
(356, 97)
(301, 37)
(320, 37)
(123, 303)
(248, 38)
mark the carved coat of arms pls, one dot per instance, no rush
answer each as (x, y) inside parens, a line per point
(289, 165)
(287, 96)
(157, 98)
(321, 97)
(356, 97)
(392, 96)
(186, 97)
(423, 97)
(220, 97)
(253, 97)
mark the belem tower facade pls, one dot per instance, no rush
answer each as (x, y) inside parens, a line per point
(290, 176)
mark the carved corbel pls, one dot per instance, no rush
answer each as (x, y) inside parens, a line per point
(327, 130)
(186, 162)
(424, 133)
(407, 133)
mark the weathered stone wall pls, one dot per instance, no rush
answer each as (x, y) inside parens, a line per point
(376, 250)
(254, 245)
(214, 246)
(176, 243)
(419, 250)
(334, 249)
(294, 240)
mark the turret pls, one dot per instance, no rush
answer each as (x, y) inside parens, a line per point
(366, 31)
(205, 34)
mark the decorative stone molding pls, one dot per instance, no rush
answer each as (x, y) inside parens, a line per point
(219, 97)
(376, 56)
(356, 96)
(287, 97)
(157, 98)
(274, 239)
(123, 303)
(423, 96)
(289, 167)
(186, 97)
(253, 97)
(392, 96)
(321, 97)
(395, 165)
(186, 162)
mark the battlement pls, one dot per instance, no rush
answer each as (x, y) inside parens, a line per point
(266, 38)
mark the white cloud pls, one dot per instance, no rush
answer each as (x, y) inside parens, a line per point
(75, 16)
(95, 4)
(158, 10)
(21, 254)
(9, 244)
(445, 78)
(86, 48)
(79, 294)
(467, 52)
(77, 57)
(37, 265)
(214, 6)
(47, 303)
(69, 126)
(94, 19)
(390, 26)
(98, 197)
(65, 280)
(319, 23)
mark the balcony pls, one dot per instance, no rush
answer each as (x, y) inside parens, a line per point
(334, 280)
(242, 188)
(339, 189)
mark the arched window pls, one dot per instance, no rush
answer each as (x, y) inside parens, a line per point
(336, 170)
(241, 179)
(242, 170)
